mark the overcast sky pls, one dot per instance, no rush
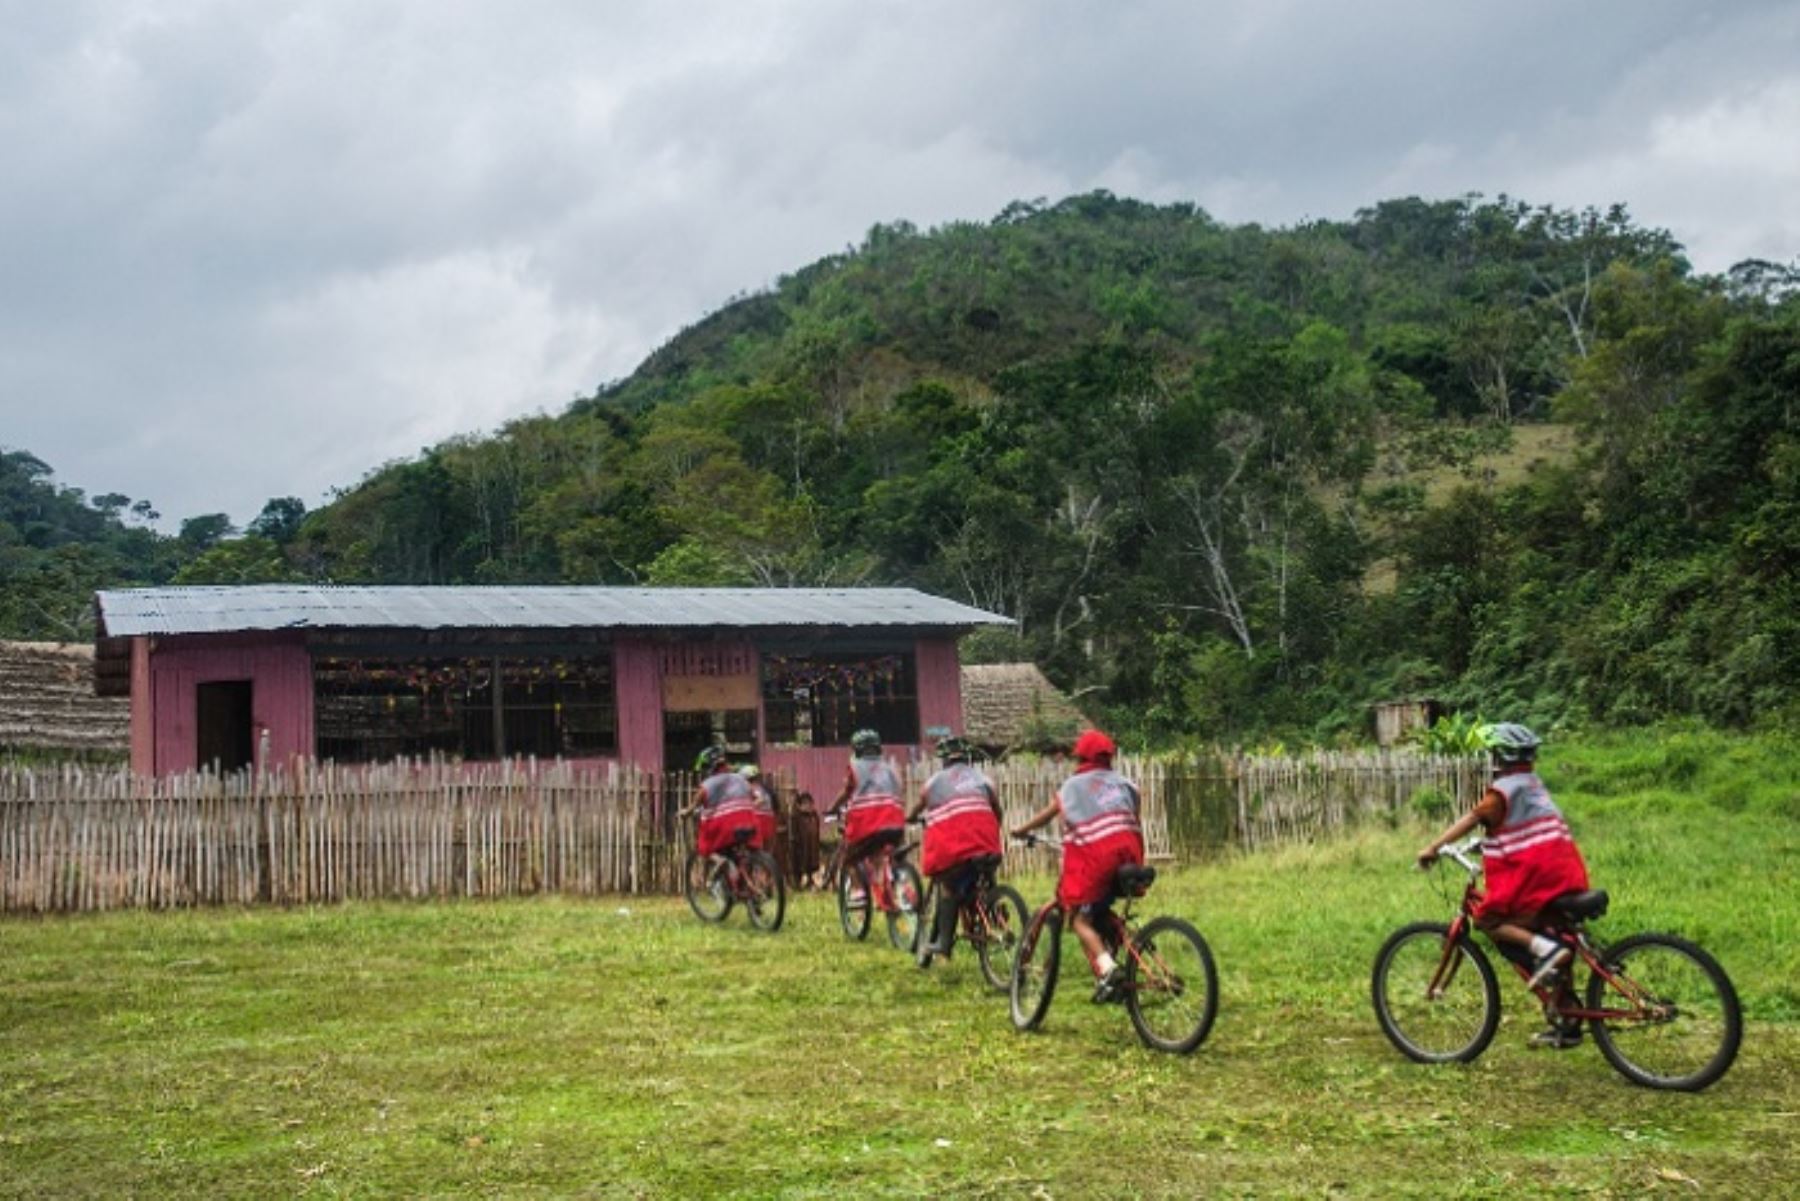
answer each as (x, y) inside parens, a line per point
(253, 249)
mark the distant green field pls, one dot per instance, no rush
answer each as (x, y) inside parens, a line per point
(551, 1047)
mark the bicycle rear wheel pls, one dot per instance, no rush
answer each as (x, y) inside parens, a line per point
(1456, 1024)
(854, 902)
(1687, 1025)
(1003, 916)
(903, 920)
(1034, 968)
(1171, 986)
(767, 899)
(704, 885)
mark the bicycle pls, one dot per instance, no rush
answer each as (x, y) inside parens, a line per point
(991, 916)
(1662, 1010)
(1170, 987)
(882, 880)
(712, 884)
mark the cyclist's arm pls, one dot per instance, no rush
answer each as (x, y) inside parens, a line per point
(1038, 820)
(918, 807)
(1454, 831)
(842, 797)
(695, 805)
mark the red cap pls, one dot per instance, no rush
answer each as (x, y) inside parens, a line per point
(1093, 745)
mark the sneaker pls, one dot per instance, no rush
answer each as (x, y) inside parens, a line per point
(926, 952)
(1548, 966)
(1557, 1038)
(1109, 987)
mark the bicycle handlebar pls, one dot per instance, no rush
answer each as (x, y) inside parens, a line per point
(1034, 839)
(1459, 852)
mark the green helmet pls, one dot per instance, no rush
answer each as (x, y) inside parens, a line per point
(953, 749)
(866, 744)
(709, 759)
(1509, 742)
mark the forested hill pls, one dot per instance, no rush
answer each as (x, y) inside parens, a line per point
(1235, 481)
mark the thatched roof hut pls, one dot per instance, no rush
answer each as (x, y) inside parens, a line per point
(1012, 707)
(47, 702)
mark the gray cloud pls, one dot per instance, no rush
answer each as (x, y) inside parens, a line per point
(253, 250)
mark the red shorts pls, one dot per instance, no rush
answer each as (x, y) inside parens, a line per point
(1519, 885)
(1087, 871)
(718, 833)
(873, 819)
(958, 839)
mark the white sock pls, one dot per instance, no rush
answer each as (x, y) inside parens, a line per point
(1541, 946)
(1104, 963)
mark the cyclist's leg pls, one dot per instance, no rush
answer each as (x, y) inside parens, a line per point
(952, 885)
(1093, 945)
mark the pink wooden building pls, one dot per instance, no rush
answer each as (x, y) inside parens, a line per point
(265, 674)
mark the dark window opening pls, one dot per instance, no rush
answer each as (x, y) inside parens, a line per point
(821, 700)
(373, 708)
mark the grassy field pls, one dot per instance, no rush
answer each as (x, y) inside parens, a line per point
(550, 1047)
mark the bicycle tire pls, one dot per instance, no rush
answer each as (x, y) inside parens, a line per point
(1468, 1010)
(1003, 917)
(706, 892)
(1710, 1035)
(767, 903)
(853, 915)
(927, 917)
(1167, 959)
(903, 922)
(1034, 969)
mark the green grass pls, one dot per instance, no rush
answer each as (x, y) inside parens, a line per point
(552, 1047)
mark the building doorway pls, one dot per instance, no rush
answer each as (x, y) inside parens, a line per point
(685, 735)
(223, 726)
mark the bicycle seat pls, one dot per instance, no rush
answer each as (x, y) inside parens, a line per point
(1578, 906)
(742, 835)
(1133, 880)
(985, 863)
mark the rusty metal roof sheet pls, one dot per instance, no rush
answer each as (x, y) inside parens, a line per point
(218, 610)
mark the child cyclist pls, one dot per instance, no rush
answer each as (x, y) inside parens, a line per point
(727, 804)
(765, 804)
(874, 818)
(1101, 834)
(962, 826)
(1528, 857)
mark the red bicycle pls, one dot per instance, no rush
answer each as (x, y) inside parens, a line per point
(883, 880)
(1171, 988)
(991, 918)
(714, 883)
(1662, 1010)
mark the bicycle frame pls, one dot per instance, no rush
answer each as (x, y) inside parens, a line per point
(879, 867)
(1114, 926)
(1550, 996)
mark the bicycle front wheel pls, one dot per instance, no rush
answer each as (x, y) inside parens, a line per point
(1171, 986)
(853, 902)
(909, 896)
(1452, 1022)
(767, 895)
(704, 884)
(1682, 1025)
(1003, 917)
(1034, 968)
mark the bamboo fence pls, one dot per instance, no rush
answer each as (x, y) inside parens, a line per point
(81, 839)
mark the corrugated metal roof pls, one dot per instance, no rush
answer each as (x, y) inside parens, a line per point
(219, 610)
